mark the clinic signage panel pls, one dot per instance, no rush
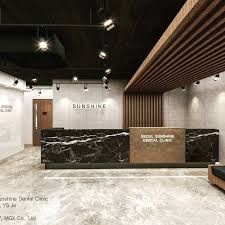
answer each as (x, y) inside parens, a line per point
(6, 108)
(157, 145)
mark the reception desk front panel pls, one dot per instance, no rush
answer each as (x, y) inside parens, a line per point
(85, 146)
(157, 145)
(130, 146)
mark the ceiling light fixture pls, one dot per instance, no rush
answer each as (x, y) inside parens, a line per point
(85, 88)
(106, 87)
(57, 87)
(43, 44)
(105, 83)
(31, 86)
(183, 88)
(108, 24)
(216, 77)
(102, 55)
(104, 78)
(34, 80)
(197, 83)
(16, 81)
(75, 79)
(108, 71)
(39, 91)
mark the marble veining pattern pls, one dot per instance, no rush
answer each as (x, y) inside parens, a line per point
(202, 145)
(109, 197)
(85, 146)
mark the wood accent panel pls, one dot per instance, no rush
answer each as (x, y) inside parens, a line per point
(214, 179)
(153, 149)
(42, 118)
(142, 110)
(192, 48)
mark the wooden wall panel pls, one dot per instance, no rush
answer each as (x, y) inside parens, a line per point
(142, 110)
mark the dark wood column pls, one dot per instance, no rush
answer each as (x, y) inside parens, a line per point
(142, 110)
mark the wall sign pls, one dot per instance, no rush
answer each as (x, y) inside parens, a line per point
(89, 106)
(157, 138)
(6, 108)
(157, 145)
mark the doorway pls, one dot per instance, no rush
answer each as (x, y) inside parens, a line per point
(42, 118)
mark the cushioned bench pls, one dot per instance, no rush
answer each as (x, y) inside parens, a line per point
(216, 175)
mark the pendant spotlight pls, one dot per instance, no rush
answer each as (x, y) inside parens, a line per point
(75, 79)
(105, 83)
(43, 44)
(108, 71)
(34, 79)
(104, 78)
(183, 88)
(85, 88)
(108, 24)
(57, 87)
(216, 77)
(197, 83)
(16, 81)
(102, 54)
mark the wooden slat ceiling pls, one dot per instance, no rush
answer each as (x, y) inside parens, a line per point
(192, 48)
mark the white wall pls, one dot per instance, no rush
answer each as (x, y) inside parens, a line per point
(11, 123)
(65, 116)
(46, 93)
(203, 107)
(174, 108)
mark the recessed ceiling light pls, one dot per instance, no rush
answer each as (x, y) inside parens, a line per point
(108, 71)
(197, 83)
(216, 77)
(108, 24)
(43, 44)
(102, 55)
(75, 79)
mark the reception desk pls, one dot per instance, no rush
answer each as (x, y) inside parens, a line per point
(134, 147)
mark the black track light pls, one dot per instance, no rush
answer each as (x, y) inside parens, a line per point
(57, 87)
(108, 71)
(102, 54)
(104, 78)
(39, 91)
(85, 88)
(183, 88)
(16, 81)
(34, 80)
(197, 83)
(216, 77)
(108, 24)
(75, 79)
(31, 86)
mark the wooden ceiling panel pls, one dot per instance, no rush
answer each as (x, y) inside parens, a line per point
(192, 48)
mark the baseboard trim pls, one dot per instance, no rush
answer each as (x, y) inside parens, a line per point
(124, 165)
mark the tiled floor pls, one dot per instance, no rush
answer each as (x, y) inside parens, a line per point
(108, 197)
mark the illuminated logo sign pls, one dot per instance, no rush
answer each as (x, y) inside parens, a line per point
(6, 108)
(89, 106)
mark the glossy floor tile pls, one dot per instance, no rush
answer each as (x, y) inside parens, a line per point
(106, 197)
